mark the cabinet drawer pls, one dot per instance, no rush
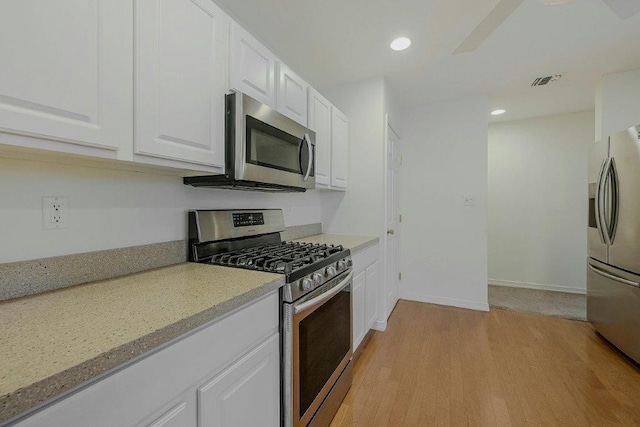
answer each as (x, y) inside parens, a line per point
(364, 258)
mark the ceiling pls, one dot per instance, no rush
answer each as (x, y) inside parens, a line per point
(330, 42)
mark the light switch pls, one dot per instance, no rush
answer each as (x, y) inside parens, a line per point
(468, 201)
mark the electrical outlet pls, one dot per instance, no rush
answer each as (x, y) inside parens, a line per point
(468, 201)
(55, 213)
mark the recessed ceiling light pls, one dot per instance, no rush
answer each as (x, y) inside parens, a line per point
(401, 43)
(498, 112)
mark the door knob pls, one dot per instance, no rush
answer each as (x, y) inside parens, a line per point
(391, 231)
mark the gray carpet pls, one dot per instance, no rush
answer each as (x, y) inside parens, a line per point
(549, 303)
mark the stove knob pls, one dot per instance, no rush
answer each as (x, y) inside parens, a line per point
(349, 262)
(317, 278)
(341, 265)
(306, 284)
(330, 271)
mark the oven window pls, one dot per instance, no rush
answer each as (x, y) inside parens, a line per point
(273, 148)
(324, 340)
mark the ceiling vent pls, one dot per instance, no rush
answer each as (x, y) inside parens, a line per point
(542, 81)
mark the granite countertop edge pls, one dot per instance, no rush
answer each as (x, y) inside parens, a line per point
(365, 245)
(26, 400)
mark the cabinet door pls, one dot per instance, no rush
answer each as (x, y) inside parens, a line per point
(252, 67)
(320, 123)
(339, 149)
(181, 61)
(66, 70)
(359, 309)
(245, 394)
(372, 283)
(291, 98)
(182, 414)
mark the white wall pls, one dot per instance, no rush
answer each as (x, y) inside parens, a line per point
(444, 244)
(360, 210)
(538, 201)
(617, 103)
(112, 209)
(392, 107)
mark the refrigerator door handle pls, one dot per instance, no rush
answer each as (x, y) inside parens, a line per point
(613, 277)
(600, 212)
(615, 199)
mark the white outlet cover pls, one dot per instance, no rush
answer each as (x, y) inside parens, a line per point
(55, 213)
(468, 201)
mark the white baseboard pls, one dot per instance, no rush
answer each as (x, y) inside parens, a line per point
(452, 302)
(556, 288)
(379, 325)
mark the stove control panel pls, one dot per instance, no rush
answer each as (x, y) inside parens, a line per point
(248, 219)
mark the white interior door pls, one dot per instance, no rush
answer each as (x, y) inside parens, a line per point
(393, 218)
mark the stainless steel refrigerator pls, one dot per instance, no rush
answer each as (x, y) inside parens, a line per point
(613, 264)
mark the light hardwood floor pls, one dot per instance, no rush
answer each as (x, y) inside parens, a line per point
(446, 366)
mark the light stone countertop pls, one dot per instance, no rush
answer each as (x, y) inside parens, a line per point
(354, 243)
(53, 342)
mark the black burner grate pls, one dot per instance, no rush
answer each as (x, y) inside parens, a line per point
(285, 257)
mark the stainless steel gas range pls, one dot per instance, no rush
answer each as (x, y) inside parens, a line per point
(316, 309)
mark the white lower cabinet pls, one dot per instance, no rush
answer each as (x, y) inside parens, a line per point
(226, 374)
(373, 285)
(366, 284)
(246, 393)
(179, 414)
(359, 308)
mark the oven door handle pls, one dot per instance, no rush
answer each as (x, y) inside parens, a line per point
(312, 303)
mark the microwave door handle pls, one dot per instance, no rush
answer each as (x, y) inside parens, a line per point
(300, 144)
(310, 148)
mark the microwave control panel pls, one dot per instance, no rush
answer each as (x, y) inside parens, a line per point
(248, 219)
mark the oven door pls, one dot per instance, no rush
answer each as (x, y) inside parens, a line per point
(274, 148)
(321, 346)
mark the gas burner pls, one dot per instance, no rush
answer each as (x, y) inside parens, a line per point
(284, 257)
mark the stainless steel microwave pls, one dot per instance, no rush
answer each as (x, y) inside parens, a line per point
(264, 150)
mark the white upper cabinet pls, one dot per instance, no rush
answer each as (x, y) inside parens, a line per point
(339, 149)
(320, 123)
(252, 67)
(181, 75)
(291, 98)
(65, 71)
